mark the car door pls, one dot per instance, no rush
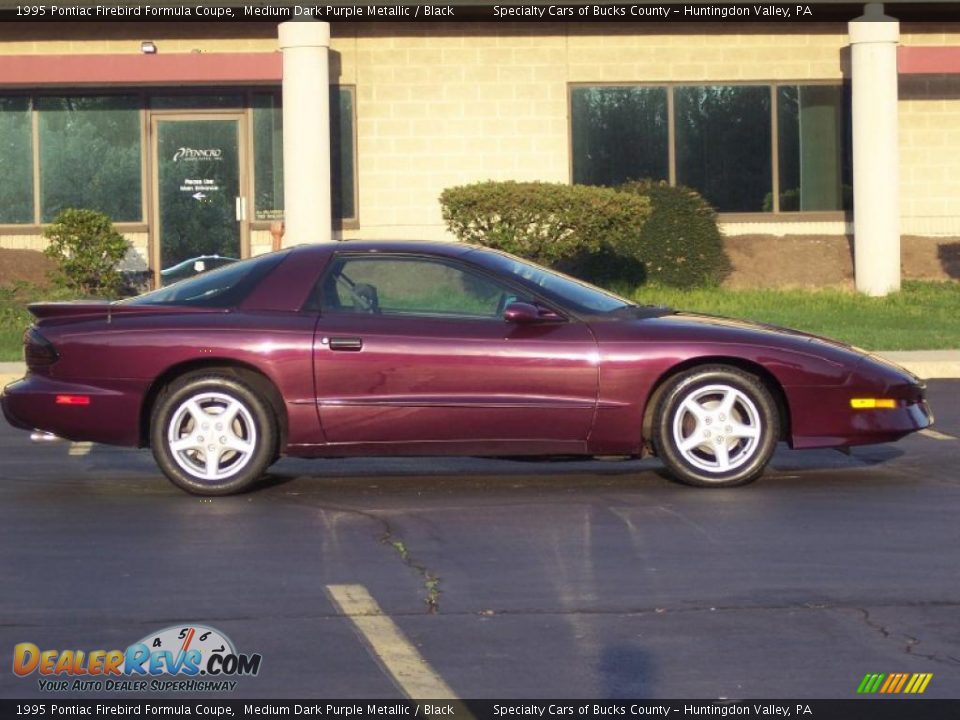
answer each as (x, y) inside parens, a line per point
(412, 353)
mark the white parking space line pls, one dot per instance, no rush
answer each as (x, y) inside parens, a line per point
(936, 435)
(412, 674)
(79, 449)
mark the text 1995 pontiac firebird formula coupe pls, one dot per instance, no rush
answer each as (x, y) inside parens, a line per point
(394, 348)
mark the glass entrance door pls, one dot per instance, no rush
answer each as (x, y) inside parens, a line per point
(199, 208)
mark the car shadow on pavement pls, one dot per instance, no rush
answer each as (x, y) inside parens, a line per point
(376, 468)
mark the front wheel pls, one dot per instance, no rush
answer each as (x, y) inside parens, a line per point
(716, 426)
(212, 434)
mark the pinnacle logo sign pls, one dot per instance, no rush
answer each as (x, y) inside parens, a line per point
(894, 684)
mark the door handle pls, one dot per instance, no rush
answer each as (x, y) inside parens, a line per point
(240, 205)
(349, 344)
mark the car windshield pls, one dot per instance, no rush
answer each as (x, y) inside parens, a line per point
(224, 287)
(567, 291)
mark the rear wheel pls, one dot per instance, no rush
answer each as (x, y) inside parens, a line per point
(716, 426)
(212, 434)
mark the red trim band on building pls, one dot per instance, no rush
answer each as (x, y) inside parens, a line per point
(928, 60)
(180, 68)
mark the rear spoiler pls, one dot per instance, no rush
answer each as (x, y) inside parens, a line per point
(96, 309)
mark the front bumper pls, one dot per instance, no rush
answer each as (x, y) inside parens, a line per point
(822, 416)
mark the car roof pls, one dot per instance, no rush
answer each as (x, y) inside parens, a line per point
(431, 247)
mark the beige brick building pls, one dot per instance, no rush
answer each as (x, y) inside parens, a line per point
(756, 116)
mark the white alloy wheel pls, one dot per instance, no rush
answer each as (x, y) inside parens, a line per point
(212, 436)
(212, 433)
(715, 426)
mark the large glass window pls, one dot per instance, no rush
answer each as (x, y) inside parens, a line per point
(723, 144)
(268, 155)
(16, 160)
(90, 155)
(619, 134)
(342, 153)
(814, 148)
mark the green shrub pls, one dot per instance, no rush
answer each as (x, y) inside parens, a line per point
(680, 244)
(88, 250)
(551, 223)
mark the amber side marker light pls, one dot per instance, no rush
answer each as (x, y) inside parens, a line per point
(872, 403)
(73, 399)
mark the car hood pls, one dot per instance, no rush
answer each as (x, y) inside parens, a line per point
(672, 327)
(762, 330)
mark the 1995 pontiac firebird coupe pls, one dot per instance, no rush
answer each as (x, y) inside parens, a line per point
(390, 348)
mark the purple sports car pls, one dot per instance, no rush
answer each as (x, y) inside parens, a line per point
(395, 348)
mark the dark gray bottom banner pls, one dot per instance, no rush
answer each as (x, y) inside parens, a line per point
(865, 709)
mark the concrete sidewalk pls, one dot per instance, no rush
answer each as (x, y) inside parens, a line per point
(928, 364)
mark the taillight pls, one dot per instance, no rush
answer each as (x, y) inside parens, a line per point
(37, 350)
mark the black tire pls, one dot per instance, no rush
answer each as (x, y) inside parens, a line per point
(243, 447)
(715, 426)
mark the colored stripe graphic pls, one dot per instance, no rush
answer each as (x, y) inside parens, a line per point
(900, 684)
(870, 683)
(894, 683)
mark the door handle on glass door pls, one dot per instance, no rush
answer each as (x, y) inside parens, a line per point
(241, 208)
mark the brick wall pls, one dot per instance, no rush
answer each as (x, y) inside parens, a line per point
(930, 155)
(444, 104)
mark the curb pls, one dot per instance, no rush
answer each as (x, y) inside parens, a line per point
(927, 364)
(932, 370)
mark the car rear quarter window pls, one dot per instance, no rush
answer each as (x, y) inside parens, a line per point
(224, 287)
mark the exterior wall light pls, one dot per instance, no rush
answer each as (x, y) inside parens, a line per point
(147, 47)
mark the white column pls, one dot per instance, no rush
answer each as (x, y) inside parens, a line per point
(306, 131)
(876, 149)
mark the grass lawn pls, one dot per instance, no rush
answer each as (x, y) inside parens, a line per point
(924, 316)
(14, 317)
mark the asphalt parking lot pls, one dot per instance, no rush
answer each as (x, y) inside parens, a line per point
(548, 579)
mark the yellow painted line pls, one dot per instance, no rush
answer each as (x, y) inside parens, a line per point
(936, 435)
(412, 674)
(79, 449)
(926, 681)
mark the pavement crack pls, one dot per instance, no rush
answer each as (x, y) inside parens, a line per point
(430, 580)
(910, 642)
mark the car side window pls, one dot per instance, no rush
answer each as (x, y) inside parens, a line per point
(412, 286)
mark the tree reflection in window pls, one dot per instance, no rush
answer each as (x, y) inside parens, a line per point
(90, 155)
(723, 144)
(16, 161)
(619, 134)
